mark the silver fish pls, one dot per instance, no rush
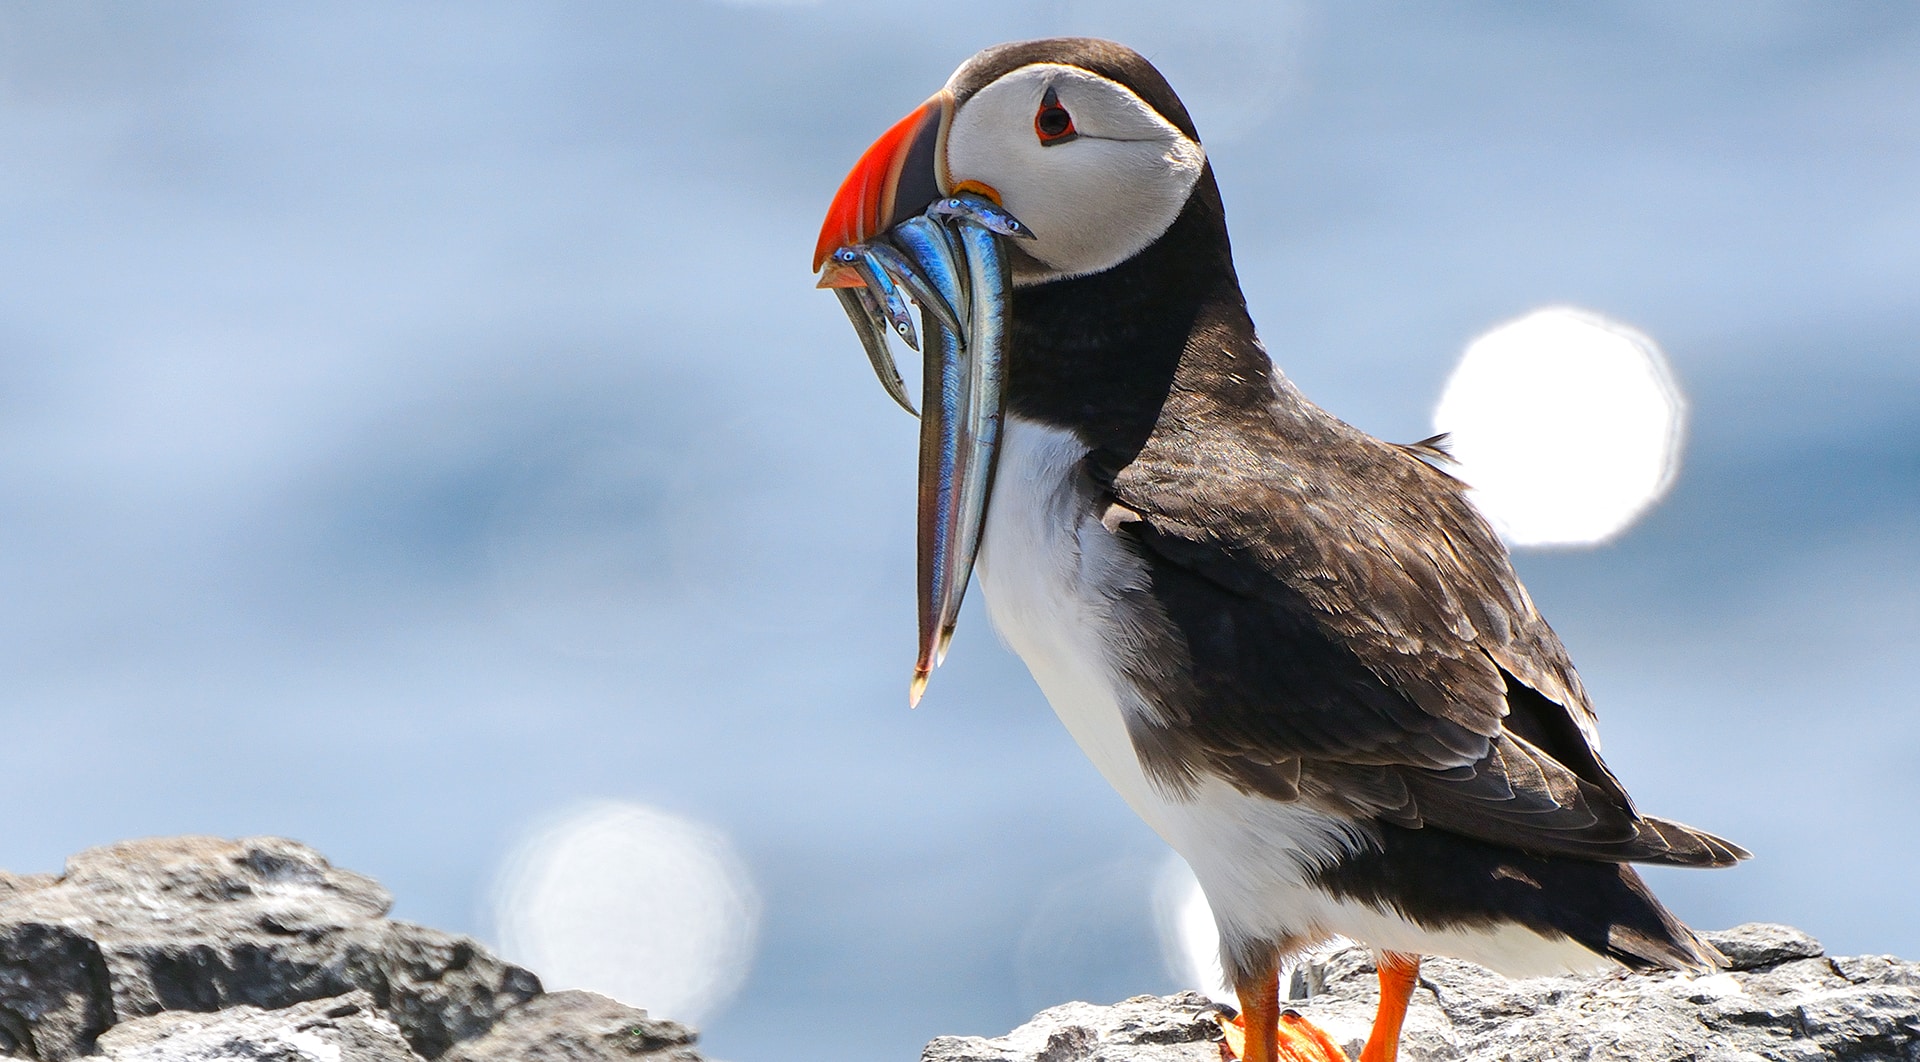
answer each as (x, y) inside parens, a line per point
(914, 274)
(880, 285)
(982, 211)
(959, 437)
(867, 323)
(951, 263)
(927, 266)
(988, 272)
(934, 252)
(942, 569)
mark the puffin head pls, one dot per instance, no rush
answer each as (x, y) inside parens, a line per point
(1081, 139)
(1075, 151)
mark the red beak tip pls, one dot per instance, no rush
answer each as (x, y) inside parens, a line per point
(865, 204)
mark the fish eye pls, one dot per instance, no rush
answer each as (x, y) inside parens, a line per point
(1052, 123)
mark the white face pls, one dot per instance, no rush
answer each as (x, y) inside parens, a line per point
(1095, 196)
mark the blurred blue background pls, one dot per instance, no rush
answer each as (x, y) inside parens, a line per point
(415, 418)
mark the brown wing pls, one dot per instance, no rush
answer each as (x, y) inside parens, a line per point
(1353, 633)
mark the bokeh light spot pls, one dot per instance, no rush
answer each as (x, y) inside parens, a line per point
(1567, 425)
(649, 908)
(1189, 940)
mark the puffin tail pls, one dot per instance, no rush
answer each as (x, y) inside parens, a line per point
(1644, 936)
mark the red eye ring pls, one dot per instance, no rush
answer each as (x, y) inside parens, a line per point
(1051, 123)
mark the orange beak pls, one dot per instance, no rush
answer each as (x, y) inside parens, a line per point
(899, 176)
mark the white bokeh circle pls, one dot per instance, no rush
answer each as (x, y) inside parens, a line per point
(1568, 426)
(651, 909)
(1189, 940)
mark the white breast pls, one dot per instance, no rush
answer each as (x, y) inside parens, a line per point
(1043, 562)
(1048, 568)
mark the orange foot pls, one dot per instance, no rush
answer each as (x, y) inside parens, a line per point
(1297, 1040)
(1265, 1033)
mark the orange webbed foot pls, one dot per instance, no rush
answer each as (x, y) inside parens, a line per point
(1295, 1039)
(1264, 1033)
(1302, 1041)
(1233, 1032)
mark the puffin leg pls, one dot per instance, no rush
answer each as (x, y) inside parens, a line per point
(1399, 972)
(1265, 1033)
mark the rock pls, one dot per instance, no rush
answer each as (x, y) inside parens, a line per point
(1781, 999)
(54, 994)
(1757, 945)
(12, 885)
(346, 1029)
(578, 1026)
(200, 924)
(200, 948)
(1142, 1029)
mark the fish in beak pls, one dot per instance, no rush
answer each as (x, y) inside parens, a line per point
(900, 229)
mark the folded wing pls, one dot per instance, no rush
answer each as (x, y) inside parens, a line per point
(1366, 645)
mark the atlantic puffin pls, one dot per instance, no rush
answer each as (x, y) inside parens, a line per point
(1295, 650)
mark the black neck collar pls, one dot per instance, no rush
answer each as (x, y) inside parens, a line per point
(1099, 355)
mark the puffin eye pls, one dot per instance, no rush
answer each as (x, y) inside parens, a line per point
(1052, 123)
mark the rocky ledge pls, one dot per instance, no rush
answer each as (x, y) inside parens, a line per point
(192, 949)
(1782, 999)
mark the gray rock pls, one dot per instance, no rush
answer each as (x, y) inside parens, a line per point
(12, 885)
(1761, 944)
(1142, 1029)
(202, 924)
(346, 1029)
(1781, 1000)
(576, 1026)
